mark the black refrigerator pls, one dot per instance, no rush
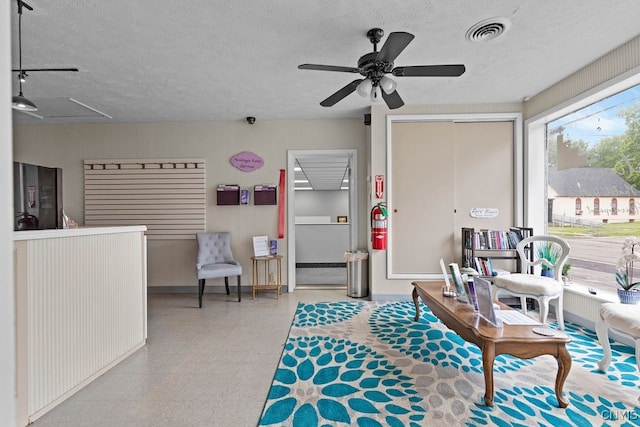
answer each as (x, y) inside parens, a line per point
(37, 197)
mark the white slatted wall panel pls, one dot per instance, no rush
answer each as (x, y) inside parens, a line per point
(93, 316)
(166, 195)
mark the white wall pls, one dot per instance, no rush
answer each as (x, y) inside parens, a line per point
(322, 203)
(7, 309)
(321, 243)
(171, 263)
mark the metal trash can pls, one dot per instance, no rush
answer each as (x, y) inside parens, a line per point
(357, 273)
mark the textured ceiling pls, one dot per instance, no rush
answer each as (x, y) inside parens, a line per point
(201, 60)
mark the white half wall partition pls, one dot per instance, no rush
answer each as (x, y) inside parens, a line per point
(81, 308)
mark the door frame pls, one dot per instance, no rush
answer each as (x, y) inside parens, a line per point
(292, 155)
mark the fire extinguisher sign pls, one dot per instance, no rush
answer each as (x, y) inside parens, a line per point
(379, 186)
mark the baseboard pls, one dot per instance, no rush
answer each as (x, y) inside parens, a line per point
(209, 289)
(321, 264)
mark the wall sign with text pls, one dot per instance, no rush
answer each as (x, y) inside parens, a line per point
(483, 212)
(247, 161)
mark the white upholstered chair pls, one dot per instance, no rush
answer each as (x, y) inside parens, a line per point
(623, 319)
(215, 260)
(541, 288)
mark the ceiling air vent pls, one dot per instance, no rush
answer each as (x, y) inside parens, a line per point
(488, 29)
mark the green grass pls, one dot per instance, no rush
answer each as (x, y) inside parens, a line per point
(622, 229)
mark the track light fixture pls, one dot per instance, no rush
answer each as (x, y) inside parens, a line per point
(20, 102)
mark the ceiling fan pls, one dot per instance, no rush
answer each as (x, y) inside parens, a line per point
(375, 65)
(20, 102)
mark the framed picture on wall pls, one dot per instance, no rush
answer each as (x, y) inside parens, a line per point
(342, 218)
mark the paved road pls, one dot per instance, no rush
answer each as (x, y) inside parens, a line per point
(593, 261)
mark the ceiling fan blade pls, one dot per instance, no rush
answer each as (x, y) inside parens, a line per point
(395, 44)
(430, 71)
(340, 94)
(320, 67)
(30, 70)
(392, 99)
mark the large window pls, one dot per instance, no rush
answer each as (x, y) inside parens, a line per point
(593, 169)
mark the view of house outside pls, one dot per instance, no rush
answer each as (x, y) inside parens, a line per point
(593, 185)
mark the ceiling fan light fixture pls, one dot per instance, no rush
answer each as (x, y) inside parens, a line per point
(376, 94)
(364, 88)
(388, 85)
(22, 104)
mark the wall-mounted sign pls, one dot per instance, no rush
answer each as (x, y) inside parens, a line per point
(247, 161)
(484, 212)
(379, 186)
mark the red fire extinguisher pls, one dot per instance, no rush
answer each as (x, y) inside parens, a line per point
(379, 227)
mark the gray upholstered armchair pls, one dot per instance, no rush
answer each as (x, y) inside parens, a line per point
(215, 260)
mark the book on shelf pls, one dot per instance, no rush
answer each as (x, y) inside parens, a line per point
(496, 239)
(484, 266)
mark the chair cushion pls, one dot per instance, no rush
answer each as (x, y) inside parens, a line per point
(529, 284)
(622, 317)
(214, 271)
(213, 248)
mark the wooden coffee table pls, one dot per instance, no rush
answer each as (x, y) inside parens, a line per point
(516, 340)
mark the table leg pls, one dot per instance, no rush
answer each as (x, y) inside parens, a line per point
(488, 356)
(414, 295)
(564, 365)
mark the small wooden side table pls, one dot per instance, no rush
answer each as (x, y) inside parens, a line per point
(269, 279)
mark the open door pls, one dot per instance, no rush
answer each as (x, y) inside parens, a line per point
(318, 157)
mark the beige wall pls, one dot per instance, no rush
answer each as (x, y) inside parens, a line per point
(171, 263)
(381, 287)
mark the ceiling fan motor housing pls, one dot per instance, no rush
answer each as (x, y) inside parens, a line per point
(370, 67)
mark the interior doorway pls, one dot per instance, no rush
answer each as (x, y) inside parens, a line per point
(323, 237)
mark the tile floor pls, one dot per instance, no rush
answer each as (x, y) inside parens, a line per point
(201, 367)
(321, 276)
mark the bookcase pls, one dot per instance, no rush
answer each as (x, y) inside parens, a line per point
(480, 246)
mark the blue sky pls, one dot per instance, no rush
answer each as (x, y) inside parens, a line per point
(598, 120)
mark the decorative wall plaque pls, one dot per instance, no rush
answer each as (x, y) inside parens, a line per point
(484, 212)
(247, 161)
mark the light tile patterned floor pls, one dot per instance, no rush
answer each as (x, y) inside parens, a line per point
(201, 367)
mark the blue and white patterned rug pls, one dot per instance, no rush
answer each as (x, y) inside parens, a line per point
(369, 364)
